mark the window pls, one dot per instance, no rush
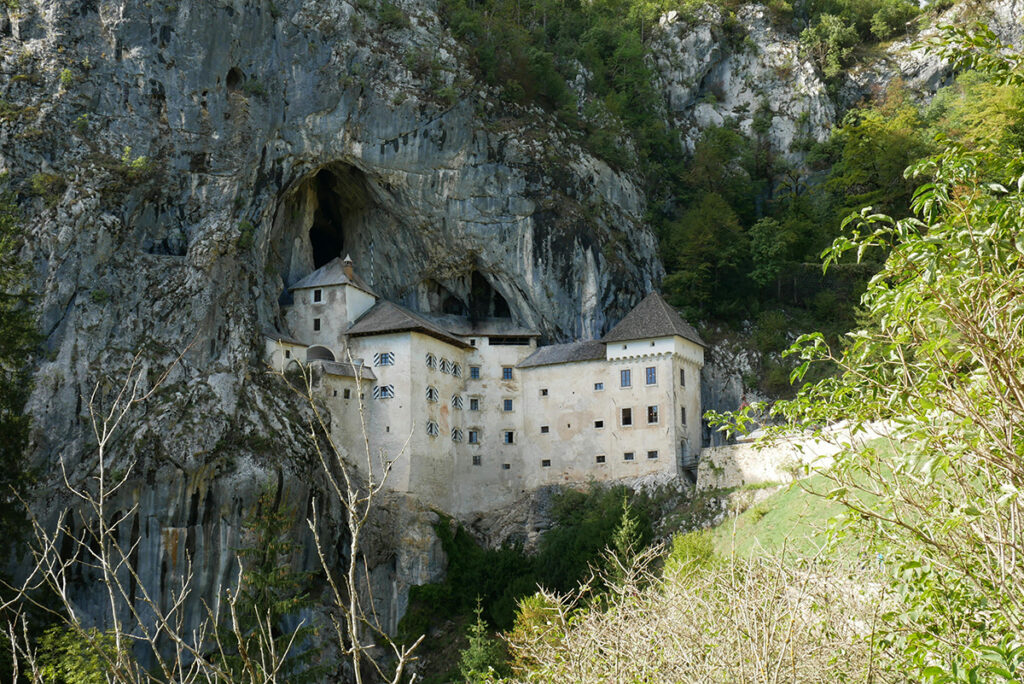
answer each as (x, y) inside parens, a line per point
(598, 386)
(432, 428)
(545, 463)
(682, 377)
(598, 424)
(472, 343)
(474, 404)
(544, 392)
(348, 394)
(628, 456)
(287, 353)
(509, 437)
(651, 375)
(431, 394)
(600, 458)
(431, 361)
(456, 435)
(457, 401)
(335, 393)
(383, 391)
(316, 324)
(506, 372)
(652, 455)
(544, 429)
(457, 370)
(474, 438)
(627, 416)
(445, 365)
(684, 415)
(506, 466)
(318, 295)
(625, 378)
(384, 358)
(476, 459)
(506, 405)
(474, 372)
(652, 415)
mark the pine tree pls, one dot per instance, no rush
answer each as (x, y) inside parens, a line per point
(485, 656)
(18, 339)
(272, 595)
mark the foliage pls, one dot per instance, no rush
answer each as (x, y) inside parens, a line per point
(73, 657)
(246, 234)
(767, 618)
(830, 44)
(18, 339)
(941, 364)
(485, 655)
(584, 524)
(49, 186)
(67, 78)
(272, 596)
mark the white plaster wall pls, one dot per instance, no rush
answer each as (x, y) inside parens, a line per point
(278, 353)
(339, 306)
(357, 303)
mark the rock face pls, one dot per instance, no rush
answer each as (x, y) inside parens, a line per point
(182, 163)
(744, 69)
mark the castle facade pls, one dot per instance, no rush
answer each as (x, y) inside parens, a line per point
(474, 413)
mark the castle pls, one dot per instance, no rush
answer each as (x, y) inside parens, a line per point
(474, 412)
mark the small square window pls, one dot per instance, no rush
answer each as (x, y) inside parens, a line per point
(474, 372)
(348, 394)
(474, 436)
(476, 459)
(287, 353)
(386, 358)
(316, 324)
(600, 458)
(652, 415)
(506, 405)
(682, 377)
(652, 454)
(506, 466)
(474, 404)
(651, 375)
(628, 456)
(598, 386)
(627, 416)
(545, 463)
(544, 429)
(509, 437)
(598, 424)
(472, 343)
(625, 378)
(684, 415)
(318, 295)
(544, 392)
(506, 372)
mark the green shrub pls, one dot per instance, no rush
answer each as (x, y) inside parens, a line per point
(246, 234)
(49, 186)
(67, 79)
(392, 16)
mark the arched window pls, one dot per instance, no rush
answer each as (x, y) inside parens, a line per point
(457, 401)
(432, 428)
(431, 394)
(431, 361)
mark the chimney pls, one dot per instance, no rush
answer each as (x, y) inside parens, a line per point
(347, 264)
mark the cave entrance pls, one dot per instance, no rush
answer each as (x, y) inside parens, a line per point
(485, 301)
(327, 232)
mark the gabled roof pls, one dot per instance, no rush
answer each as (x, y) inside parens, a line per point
(332, 273)
(586, 350)
(272, 334)
(652, 317)
(388, 317)
(347, 369)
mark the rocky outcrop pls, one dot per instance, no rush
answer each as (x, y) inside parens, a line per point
(715, 69)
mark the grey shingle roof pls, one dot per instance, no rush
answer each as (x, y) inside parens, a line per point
(586, 350)
(348, 370)
(332, 273)
(652, 317)
(385, 317)
(281, 337)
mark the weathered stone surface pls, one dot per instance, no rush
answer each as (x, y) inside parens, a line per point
(749, 72)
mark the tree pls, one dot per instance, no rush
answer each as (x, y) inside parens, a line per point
(272, 597)
(941, 368)
(485, 656)
(18, 339)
